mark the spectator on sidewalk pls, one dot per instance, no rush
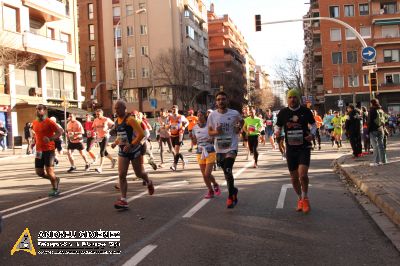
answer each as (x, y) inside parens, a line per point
(353, 126)
(376, 129)
(3, 134)
(28, 137)
(365, 133)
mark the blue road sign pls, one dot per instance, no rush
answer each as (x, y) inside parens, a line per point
(153, 103)
(368, 53)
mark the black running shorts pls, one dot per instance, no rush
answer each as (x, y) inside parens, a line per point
(176, 140)
(295, 157)
(75, 146)
(45, 158)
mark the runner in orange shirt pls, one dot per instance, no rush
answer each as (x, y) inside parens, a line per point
(318, 122)
(45, 132)
(192, 122)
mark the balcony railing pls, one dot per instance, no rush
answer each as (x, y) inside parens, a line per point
(51, 49)
(51, 9)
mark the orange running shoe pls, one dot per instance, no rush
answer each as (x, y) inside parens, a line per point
(306, 205)
(299, 207)
(229, 203)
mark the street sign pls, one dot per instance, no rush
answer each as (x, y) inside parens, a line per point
(153, 103)
(340, 103)
(368, 53)
(370, 67)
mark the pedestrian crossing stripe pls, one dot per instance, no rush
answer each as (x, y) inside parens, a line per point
(24, 243)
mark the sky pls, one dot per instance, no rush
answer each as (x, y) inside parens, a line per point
(275, 42)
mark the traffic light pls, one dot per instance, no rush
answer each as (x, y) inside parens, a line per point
(373, 81)
(258, 22)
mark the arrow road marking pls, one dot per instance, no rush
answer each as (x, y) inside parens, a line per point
(282, 195)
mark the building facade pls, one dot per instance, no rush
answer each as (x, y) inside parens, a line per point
(42, 62)
(141, 34)
(333, 53)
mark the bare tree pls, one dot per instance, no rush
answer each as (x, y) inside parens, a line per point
(10, 56)
(182, 71)
(289, 71)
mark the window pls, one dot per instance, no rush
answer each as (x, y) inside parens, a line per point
(65, 37)
(365, 32)
(50, 33)
(190, 32)
(120, 74)
(364, 9)
(117, 32)
(91, 32)
(59, 83)
(145, 50)
(143, 29)
(142, 5)
(93, 73)
(350, 35)
(338, 82)
(129, 10)
(92, 50)
(352, 57)
(11, 23)
(334, 11)
(132, 96)
(349, 10)
(390, 31)
(131, 51)
(90, 11)
(145, 72)
(132, 73)
(336, 58)
(119, 52)
(366, 79)
(116, 11)
(145, 94)
(389, 8)
(392, 78)
(129, 30)
(25, 79)
(187, 13)
(391, 55)
(336, 35)
(353, 81)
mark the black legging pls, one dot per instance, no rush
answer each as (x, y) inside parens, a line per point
(103, 147)
(318, 137)
(253, 144)
(226, 164)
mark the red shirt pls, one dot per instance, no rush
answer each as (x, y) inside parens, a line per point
(45, 128)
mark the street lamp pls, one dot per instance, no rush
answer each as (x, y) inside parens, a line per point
(139, 11)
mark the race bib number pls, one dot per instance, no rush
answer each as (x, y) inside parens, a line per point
(269, 122)
(295, 137)
(122, 137)
(39, 155)
(224, 143)
(252, 128)
(174, 127)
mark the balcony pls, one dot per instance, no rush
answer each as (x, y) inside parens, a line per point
(11, 40)
(50, 10)
(198, 9)
(46, 47)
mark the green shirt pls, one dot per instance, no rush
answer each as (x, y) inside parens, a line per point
(253, 125)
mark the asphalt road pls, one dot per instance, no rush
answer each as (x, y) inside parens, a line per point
(176, 226)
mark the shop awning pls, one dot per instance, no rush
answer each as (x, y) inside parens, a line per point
(387, 22)
(77, 111)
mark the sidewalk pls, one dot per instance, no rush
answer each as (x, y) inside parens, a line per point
(381, 183)
(17, 153)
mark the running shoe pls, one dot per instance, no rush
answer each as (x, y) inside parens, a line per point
(71, 169)
(113, 162)
(121, 204)
(319, 148)
(54, 192)
(173, 168)
(150, 187)
(255, 165)
(283, 157)
(299, 207)
(229, 203)
(306, 205)
(235, 197)
(209, 195)
(87, 167)
(184, 163)
(217, 190)
(153, 164)
(99, 170)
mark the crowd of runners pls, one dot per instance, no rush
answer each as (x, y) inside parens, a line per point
(214, 135)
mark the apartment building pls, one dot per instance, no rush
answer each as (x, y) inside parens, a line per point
(39, 39)
(228, 52)
(138, 33)
(333, 54)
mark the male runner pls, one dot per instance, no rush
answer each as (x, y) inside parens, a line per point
(176, 125)
(224, 125)
(295, 119)
(338, 123)
(245, 113)
(252, 127)
(90, 137)
(57, 141)
(318, 121)
(192, 119)
(165, 136)
(329, 126)
(45, 132)
(269, 127)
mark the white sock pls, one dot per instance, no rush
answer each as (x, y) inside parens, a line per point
(303, 195)
(124, 199)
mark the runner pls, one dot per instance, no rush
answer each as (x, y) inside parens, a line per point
(45, 132)
(224, 125)
(90, 137)
(252, 127)
(269, 127)
(192, 122)
(338, 122)
(57, 141)
(205, 154)
(129, 136)
(295, 119)
(318, 121)
(102, 126)
(75, 139)
(262, 131)
(245, 113)
(146, 140)
(165, 136)
(329, 126)
(176, 125)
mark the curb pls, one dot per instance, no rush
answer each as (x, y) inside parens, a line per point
(382, 200)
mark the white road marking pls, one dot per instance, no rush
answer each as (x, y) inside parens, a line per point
(140, 255)
(282, 195)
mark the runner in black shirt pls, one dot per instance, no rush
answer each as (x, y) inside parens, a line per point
(295, 119)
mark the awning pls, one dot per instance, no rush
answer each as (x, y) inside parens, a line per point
(388, 22)
(77, 111)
